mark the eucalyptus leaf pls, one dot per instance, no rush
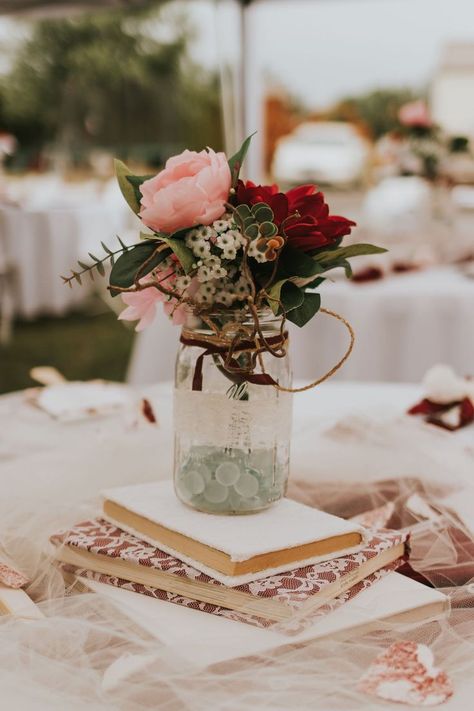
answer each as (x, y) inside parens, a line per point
(305, 312)
(235, 162)
(127, 265)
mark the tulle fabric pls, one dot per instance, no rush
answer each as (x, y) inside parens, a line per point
(85, 654)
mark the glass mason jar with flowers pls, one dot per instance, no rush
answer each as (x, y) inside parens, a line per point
(231, 262)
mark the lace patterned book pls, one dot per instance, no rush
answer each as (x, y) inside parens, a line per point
(108, 554)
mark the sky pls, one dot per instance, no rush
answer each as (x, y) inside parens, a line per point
(324, 49)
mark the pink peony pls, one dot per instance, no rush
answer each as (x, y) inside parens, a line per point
(415, 113)
(190, 190)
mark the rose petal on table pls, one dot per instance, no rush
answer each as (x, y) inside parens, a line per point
(11, 577)
(405, 673)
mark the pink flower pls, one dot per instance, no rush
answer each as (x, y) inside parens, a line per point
(415, 113)
(141, 305)
(190, 190)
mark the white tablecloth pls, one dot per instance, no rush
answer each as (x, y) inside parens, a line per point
(44, 244)
(50, 475)
(404, 324)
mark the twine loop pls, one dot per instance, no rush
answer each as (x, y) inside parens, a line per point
(237, 340)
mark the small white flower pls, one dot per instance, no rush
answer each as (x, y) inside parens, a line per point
(256, 253)
(224, 297)
(183, 282)
(202, 248)
(219, 272)
(213, 261)
(208, 289)
(229, 253)
(191, 238)
(222, 225)
(206, 232)
(225, 239)
(205, 274)
(239, 239)
(242, 288)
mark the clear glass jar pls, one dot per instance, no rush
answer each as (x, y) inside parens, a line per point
(232, 437)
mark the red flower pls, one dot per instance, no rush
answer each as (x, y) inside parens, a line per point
(314, 227)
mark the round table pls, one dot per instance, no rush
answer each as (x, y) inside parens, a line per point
(50, 475)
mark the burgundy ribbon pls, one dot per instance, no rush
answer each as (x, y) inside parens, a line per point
(213, 349)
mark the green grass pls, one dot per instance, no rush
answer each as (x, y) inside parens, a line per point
(90, 344)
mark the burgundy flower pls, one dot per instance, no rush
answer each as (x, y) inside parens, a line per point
(313, 227)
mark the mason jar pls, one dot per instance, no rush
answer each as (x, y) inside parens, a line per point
(232, 434)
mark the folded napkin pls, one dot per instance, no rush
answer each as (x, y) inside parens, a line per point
(448, 401)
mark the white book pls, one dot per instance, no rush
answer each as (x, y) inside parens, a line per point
(393, 598)
(18, 603)
(233, 551)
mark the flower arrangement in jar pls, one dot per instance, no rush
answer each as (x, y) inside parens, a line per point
(231, 262)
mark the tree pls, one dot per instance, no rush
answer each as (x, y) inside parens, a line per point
(377, 110)
(104, 79)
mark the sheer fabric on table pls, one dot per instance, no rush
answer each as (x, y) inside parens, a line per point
(84, 653)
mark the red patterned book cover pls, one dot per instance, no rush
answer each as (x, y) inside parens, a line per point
(287, 596)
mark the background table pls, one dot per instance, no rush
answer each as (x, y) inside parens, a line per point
(43, 239)
(404, 324)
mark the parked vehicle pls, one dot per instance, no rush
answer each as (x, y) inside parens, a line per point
(326, 152)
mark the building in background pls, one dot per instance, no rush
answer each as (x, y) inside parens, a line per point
(452, 90)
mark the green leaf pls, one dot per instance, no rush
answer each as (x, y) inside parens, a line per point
(128, 191)
(105, 248)
(295, 263)
(83, 266)
(262, 212)
(124, 246)
(235, 162)
(100, 268)
(127, 265)
(135, 181)
(315, 283)
(352, 250)
(92, 256)
(305, 312)
(251, 231)
(77, 277)
(287, 293)
(184, 254)
(268, 229)
(243, 211)
(248, 221)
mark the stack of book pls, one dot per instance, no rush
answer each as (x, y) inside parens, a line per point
(289, 569)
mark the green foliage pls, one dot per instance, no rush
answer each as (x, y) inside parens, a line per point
(235, 162)
(378, 109)
(96, 266)
(127, 187)
(184, 254)
(305, 312)
(106, 79)
(125, 269)
(284, 296)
